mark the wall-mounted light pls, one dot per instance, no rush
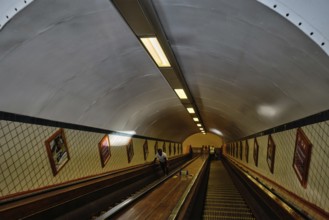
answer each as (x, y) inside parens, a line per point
(190, 110)
(181, 93)
(216, 131)
(199, 125)
(121, 140)
(195, 119)
(155, 50)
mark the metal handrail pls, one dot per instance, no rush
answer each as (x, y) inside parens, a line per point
(175, 212)
(287, 206)
(116, 209)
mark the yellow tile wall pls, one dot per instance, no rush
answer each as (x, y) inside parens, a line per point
(317, 190)
(24, 163)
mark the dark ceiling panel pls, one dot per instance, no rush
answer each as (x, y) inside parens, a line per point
(133, 14)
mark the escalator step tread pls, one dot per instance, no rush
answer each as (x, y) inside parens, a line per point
(223, 197)
(225, 203)
(226, 207)
(206, 217)
(223, 200)
(228, 213)
(224, 189)
(216, 195)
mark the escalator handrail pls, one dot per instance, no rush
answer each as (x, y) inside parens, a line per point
(115, 210)
(44, 191)
(176, 211)
(283, 203)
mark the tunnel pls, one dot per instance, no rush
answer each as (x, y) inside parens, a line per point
(90, 90)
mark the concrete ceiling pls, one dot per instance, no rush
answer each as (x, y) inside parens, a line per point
(77, 61)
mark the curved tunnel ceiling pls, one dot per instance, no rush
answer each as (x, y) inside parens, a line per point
(77, 61)
(254, 69)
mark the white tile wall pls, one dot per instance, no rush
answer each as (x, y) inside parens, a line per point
(317, 190)
(24, 163)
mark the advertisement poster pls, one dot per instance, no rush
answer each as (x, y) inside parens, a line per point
(270, 153)
(256, 148)
(240, 150)
(156, 147)
(246, 152)
(104, 150)
(164, 147)
(145, 149)
(130, 150)
(57, 151)
(302, 156)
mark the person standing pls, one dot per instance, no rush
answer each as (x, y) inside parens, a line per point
(162, 157)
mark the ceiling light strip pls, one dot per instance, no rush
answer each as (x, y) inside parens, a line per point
(153, 47)
(147, 27)
(181, 94)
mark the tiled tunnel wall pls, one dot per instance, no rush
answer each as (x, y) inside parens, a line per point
(317, 188)
(24, 163)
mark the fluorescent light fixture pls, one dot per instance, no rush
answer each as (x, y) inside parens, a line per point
(190, 110)
(201, 129)
(195, 119)
(181, 93)
(216, 131)
(203, 132)
(199, 125)
(153, 47)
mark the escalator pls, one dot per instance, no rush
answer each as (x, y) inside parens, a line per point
(223, 200)
(166, 191)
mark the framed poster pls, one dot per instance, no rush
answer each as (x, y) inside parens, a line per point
(145, 149)
(270, 153)
(57, 151)
(246, 152)
(130, 150)
(256, 148)
(169, 149)
(104, 150)
(164, 147)
(302, 156)
(240, 153)
(156, 147)
(236, 149)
